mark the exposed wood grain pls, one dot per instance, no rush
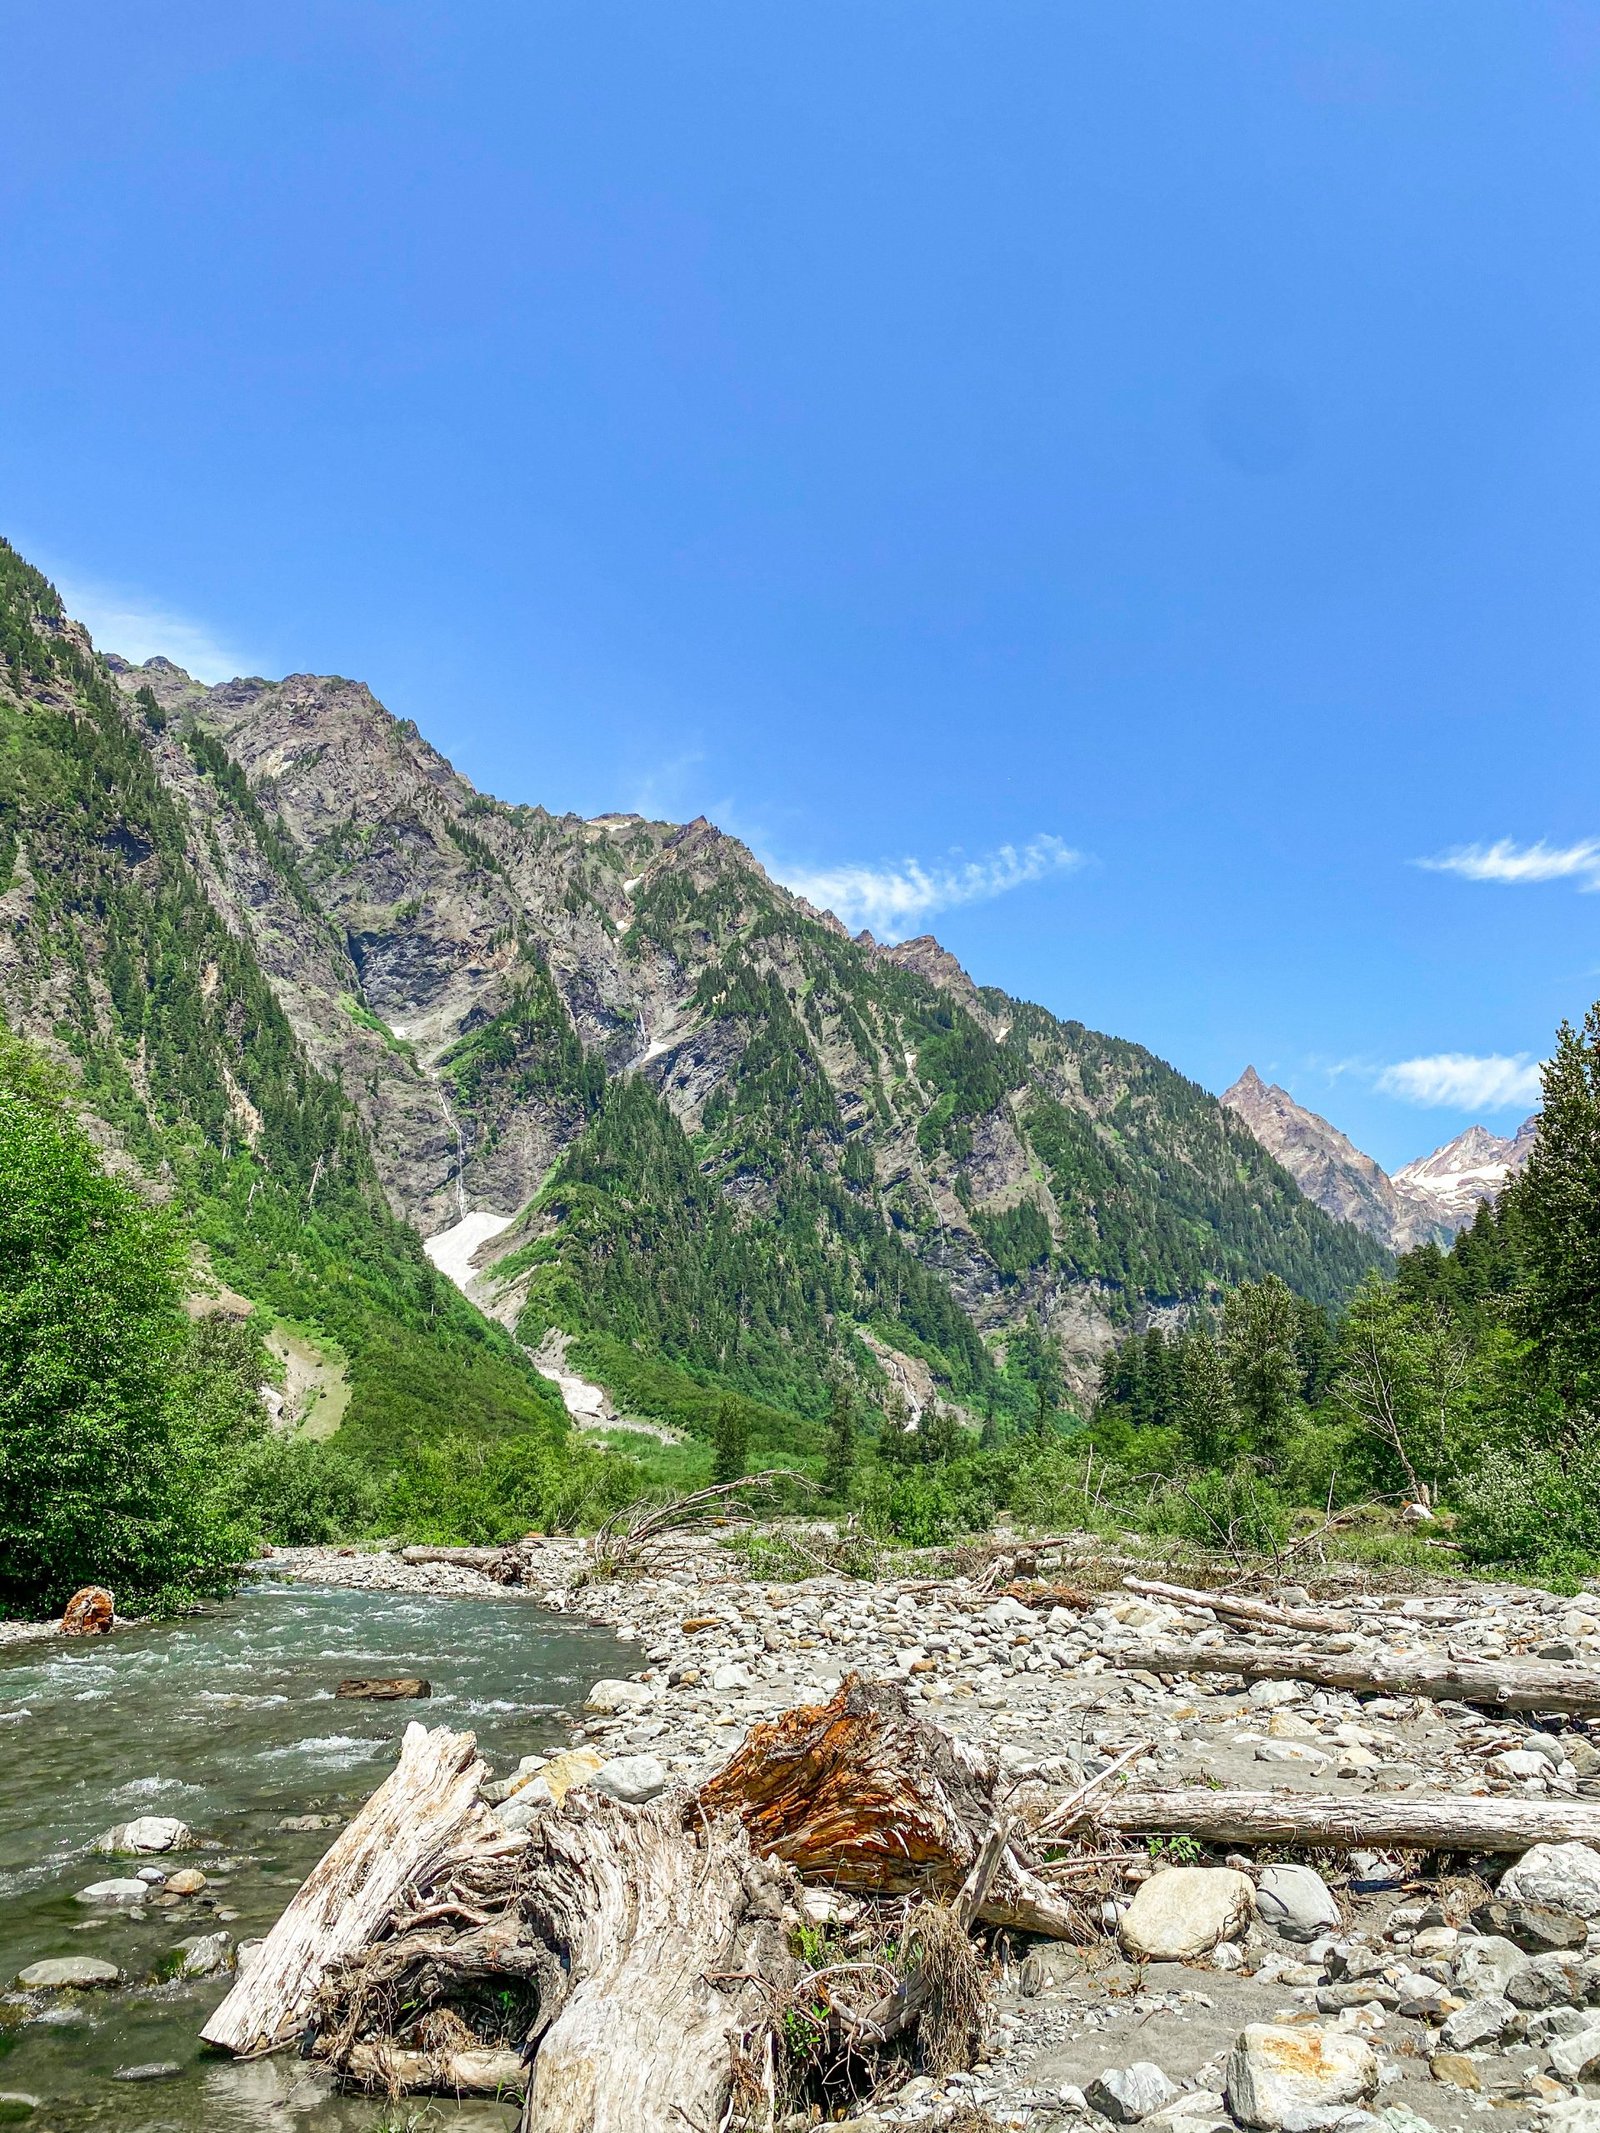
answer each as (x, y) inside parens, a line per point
(422, 1811)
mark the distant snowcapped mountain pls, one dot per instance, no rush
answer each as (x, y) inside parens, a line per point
(1472, 1167)
(1432, 1197)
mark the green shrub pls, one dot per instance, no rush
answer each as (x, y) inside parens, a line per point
(108, 1453)
(1536, 1511)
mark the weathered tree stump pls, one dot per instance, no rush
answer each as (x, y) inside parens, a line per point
(426, 1810)
(860, 1794)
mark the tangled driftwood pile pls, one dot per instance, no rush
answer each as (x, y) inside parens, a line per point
(633, 1964)
(634, 1967)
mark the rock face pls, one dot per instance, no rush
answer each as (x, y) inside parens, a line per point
(467, 969)
(1294, 2080)
(1471, 1168)
(1184, 1911)
(1330, 1169)
(1432, 1197)
(90, 1612)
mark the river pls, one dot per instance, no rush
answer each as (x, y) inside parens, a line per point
(228, 1721)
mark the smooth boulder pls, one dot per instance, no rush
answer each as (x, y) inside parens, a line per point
(68, 1973)
(202, 1955)
(1125, 2094)
(609, 1696)
(1564, 1877)
(1184, 1911)
(1296, 1902)
(120, 1894)
(147, 1834)
(633, 1779)
(1288, 2079)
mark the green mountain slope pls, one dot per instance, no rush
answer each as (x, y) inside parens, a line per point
(343, 1001)
(116, 954)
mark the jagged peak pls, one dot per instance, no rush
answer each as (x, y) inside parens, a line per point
(929, 958)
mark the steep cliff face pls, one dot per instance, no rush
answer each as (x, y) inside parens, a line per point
(1430, 1198)
(882, 1143)
(1330, 1169)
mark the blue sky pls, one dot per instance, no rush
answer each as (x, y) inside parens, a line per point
(1113, 483)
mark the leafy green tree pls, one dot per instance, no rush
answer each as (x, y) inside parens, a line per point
(106, 1471)
(1260, 1343)
(1405, 1382)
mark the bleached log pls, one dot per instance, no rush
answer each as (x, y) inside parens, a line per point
(1407, 1821)
(1235, 1607)
(461, 1558)
(390, 2071)
(1504, 1685)
(859, 1794)
(670, 1940)
(423, 1810)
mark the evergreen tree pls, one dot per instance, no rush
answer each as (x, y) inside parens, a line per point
(1556, 1203)
(731, 1442)
(839, 1467)
(938, 1435)
(1208, 1421)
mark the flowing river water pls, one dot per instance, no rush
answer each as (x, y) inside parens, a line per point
(228, 1721)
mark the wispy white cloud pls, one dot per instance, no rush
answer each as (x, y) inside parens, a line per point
(896, 896)
(1459, 1081)
(1520, 864)
(140, 629)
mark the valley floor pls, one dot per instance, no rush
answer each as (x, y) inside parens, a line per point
(1060, 1693)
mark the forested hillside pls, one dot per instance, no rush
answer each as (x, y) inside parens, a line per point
(114, 956)
(340, 1000)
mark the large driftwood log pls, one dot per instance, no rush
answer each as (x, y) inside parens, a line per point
(423, 1811)
(1234, 1607)
(860, 1794)
(460, 1558)
(1409, 1821)
(1504, 1685)
(670, 1941)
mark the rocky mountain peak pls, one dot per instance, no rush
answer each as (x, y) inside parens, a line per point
(930, 959)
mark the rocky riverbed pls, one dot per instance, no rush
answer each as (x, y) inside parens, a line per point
(1359, 1997)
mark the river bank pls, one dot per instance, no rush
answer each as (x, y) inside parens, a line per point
(1060, 1692)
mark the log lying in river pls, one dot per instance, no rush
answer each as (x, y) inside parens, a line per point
(426, 1808)
(1407, 1821)
(1504, 1685)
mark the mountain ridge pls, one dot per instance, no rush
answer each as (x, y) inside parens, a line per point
(1429, 1198)
(475, 929)
(735, 1147)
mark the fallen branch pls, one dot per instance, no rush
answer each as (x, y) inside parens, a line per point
(1508, 1685)
(1238, 1608)
(623, 1539)
(1438, 1823)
